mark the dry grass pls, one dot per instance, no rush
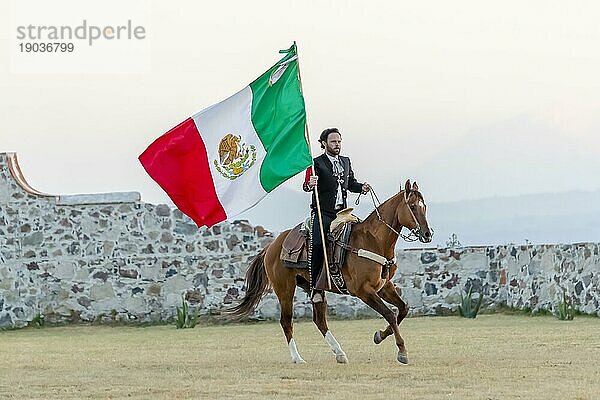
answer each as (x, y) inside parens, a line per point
(491, 357)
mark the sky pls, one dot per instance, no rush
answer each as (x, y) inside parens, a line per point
(472, 99)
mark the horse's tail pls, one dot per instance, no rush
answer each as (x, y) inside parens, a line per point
(257, 285)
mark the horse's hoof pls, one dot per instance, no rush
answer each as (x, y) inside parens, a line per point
(402, 358)
(341, 358)
(377, 337)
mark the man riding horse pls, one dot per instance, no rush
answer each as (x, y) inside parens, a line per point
(335, 176)
(368, 268)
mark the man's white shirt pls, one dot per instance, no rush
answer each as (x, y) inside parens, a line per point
(338, 171)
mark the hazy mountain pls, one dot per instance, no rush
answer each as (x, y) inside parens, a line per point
(540, 218)
(512, 157)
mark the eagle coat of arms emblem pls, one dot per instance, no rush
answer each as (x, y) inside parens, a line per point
(235, 157)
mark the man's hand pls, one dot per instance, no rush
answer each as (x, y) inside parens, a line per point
(366, 188)
(313, 181)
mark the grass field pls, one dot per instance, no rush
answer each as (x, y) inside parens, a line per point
(491, 357)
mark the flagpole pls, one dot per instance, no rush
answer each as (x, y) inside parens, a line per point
(307, 134)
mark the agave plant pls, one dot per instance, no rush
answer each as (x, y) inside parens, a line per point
(184, 318)
(467, 308)
(565, 310)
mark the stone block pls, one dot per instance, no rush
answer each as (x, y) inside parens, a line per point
(34, 240)
(128, 273)
(84, 301)
(107, 305)
(64, 270)
(269, 308)
(151, 272)
(154, 290)
(364, 311)
(176, 284)
(163, 210)
(453, 296)
(413, 297)
(430, 289)
(103, 291)
(6, 320)
(194, 296)
(201, 279)
(183, 228)
(135, 306)
(428, 257)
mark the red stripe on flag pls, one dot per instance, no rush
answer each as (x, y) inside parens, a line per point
(307, 175)
(178, 162)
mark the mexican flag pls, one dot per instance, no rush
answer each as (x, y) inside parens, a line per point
(223, 160)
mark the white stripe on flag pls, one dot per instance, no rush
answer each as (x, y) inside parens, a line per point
(233, 116)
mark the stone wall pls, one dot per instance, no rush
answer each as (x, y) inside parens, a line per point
(531, 277)
(108, 257)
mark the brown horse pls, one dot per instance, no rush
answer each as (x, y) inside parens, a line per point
(378, 234)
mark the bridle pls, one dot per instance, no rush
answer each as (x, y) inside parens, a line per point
(415, 233)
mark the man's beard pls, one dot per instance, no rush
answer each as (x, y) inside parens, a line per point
(333, 152)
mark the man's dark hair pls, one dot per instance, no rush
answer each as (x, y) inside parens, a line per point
(325, 134)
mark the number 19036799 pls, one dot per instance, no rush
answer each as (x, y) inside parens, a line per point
(50, 47)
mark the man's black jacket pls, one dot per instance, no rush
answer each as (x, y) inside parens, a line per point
(328, 184)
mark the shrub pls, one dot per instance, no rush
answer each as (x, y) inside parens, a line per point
(467, 308)
(184, 319)
(38, 321)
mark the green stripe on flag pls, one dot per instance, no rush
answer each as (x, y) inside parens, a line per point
(279, 116)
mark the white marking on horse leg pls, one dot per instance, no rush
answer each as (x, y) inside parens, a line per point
(340, 356)
(296, 359)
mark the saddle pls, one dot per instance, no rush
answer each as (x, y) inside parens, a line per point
(297, 247)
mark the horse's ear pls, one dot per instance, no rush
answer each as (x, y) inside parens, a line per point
(415, 187)
(407, 186)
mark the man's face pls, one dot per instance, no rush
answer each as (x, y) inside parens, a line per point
(333, 146)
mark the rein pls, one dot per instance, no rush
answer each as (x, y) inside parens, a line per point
(412, 236)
